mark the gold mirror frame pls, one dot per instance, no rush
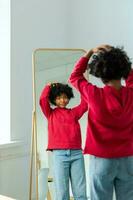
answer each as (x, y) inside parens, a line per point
(34, 158)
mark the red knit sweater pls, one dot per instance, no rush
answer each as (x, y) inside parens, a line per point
(110, 121)
(63, 126)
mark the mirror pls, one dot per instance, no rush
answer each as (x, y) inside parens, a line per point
(49, 65)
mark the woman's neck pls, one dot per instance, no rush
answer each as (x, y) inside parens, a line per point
(115, 83)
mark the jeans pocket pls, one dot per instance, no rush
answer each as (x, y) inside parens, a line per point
(129, 165)
(103, 166)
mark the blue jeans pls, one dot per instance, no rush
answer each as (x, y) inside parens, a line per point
(109, 174)
(68, 165)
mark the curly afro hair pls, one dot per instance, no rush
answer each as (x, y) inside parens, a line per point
(59, 88)
(113, 64)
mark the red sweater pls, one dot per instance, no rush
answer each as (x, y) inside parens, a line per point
(110, 121)
(63, 126)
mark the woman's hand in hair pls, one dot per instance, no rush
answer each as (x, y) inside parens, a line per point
(89, 54)
(52, 84)
(103, 48)
(100, 48)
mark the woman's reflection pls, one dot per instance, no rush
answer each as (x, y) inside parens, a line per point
(64, 140)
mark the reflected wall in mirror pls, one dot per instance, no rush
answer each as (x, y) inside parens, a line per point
(49, 65)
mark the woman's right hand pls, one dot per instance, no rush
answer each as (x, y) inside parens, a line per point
(103, 48)
(100, 48)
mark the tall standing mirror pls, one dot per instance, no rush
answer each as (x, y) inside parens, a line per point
(49, 65)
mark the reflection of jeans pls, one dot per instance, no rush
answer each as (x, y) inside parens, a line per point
(106, 174)
(69, 165)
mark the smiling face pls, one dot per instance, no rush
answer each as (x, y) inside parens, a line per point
(62, 100)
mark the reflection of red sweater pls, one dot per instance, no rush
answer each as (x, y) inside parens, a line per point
(63, 126)
(110, 122)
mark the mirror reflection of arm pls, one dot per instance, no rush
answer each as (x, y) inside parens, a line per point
(44, 101)
(129, 80)
(80, 109)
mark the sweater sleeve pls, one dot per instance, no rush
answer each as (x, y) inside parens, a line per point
(129, 80)
(44, 101)
(80, 109)
(78, 80)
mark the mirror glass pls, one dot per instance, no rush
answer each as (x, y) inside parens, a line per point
(52, 65)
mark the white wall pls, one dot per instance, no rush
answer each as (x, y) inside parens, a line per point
(55, 24)
(96, 22)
